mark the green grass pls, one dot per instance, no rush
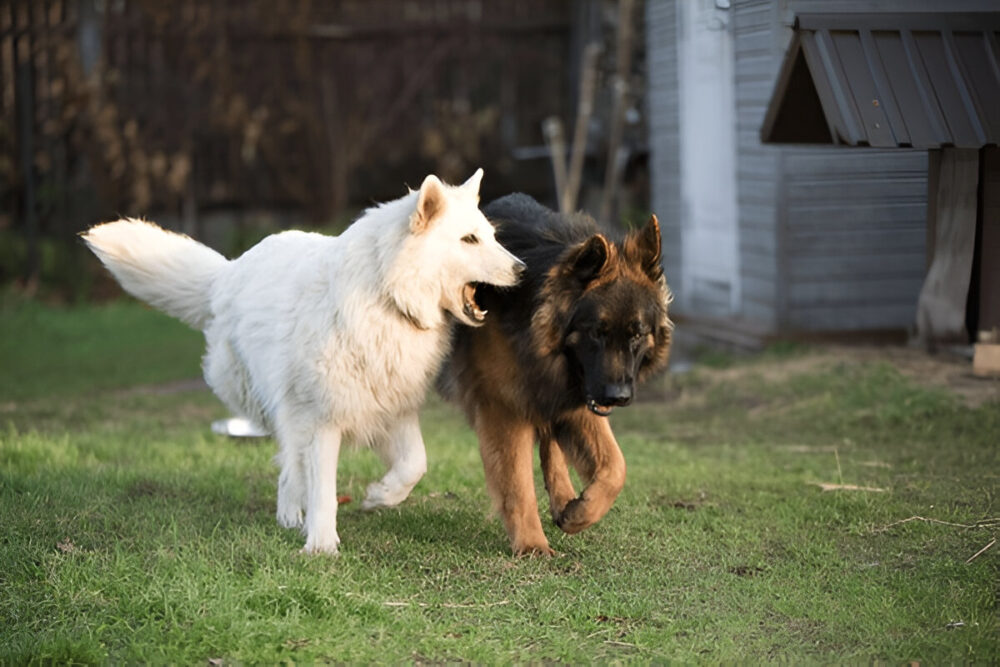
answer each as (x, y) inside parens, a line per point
(54, 352)
(131, 533)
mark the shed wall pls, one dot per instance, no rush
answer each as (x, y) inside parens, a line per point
(832, 239)
(855, 230)
(755, 47)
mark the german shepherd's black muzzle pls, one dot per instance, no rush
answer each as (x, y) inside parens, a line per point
(611, 395)
(604, 394)
(607, 362)
(617, 394)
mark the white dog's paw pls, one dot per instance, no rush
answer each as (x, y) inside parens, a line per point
(379, 494)
(322, 544)
(290, 516)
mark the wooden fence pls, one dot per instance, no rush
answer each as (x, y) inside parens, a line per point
(139, 106)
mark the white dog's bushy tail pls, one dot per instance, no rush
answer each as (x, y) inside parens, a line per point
(170, 271)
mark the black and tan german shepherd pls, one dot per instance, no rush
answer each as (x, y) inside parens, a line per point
(559, 351)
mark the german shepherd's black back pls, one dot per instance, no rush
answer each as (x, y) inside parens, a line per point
(556, 354)
(539, 237)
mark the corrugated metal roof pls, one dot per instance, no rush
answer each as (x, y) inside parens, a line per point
(905, 80)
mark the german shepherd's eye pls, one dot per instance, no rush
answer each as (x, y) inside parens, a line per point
(471, 239)
(599, 331)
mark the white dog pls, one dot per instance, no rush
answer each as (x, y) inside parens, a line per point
(322, 338)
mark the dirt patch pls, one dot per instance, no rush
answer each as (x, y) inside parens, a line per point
(942, 371)
(946, 371)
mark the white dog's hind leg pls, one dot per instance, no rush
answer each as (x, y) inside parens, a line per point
(404, 453)
(321, 481)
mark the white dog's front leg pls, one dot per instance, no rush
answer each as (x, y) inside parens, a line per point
(291, 489)
(321, 475)
(293, 448)
(406, 457)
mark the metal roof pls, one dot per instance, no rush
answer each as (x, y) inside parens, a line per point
(889, 80)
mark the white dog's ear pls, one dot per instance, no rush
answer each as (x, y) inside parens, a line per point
(472, 185)
(430, 204)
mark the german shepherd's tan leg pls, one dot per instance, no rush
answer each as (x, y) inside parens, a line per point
(507, 444)
(591, 446)
(556, 474)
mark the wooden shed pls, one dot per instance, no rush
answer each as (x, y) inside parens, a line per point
(805, 236)
(929, 81)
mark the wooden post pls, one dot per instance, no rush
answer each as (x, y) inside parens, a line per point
(986, 357)
(941, 306)
(552, 129)
(623, 54)
(584, 110)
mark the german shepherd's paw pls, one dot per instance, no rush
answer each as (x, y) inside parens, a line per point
(576, 516)
(530, 550)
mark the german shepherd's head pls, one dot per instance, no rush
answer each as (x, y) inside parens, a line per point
(605, 309)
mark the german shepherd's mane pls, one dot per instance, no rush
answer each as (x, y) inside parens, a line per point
(536, 234)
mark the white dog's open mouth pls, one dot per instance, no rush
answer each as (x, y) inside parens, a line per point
(470, 308)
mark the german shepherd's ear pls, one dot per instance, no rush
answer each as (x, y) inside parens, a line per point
(589, 258)
(430, 204)
(643, 247)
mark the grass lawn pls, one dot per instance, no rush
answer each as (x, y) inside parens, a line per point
(131, 533)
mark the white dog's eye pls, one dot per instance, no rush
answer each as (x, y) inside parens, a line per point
(470, 238)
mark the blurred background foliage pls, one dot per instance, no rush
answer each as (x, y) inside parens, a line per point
(230, 119)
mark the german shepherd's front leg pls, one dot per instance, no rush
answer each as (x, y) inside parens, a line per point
(507, 444)
(588, 442)
(556, 475)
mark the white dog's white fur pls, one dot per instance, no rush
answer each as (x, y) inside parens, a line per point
(324, 338)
